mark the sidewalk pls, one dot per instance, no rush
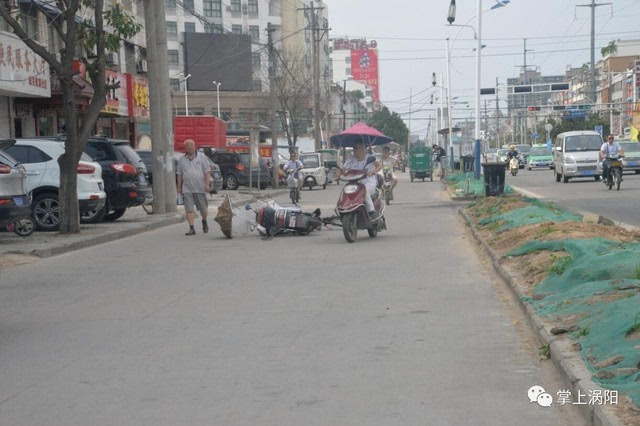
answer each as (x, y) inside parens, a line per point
(15, 250)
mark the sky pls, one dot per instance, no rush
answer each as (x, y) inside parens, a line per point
(411, 42)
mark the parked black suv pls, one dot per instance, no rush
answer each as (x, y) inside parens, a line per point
(235, 169)
(124, 175)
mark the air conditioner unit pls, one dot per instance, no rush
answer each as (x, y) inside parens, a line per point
(142, 65)
(111, 58)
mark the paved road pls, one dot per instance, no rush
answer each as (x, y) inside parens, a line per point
(584, 194)
(161, 329)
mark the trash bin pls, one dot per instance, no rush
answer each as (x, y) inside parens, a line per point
(493, 179)
(467, 163)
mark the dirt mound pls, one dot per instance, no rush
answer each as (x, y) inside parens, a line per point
(530, 269)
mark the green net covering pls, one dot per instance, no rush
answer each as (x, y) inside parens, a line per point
(535, 212)
(458, 182)
(595, 284)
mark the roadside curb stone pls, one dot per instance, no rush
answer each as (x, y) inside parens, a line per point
(568, 362)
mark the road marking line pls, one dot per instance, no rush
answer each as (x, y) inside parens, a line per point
(527, 193)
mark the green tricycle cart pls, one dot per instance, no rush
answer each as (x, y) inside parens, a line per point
(420, 164)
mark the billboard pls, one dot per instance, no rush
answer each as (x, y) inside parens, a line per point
(221, 57)
(22, 72)
(117, 102)
(138, 96)
(364, 68)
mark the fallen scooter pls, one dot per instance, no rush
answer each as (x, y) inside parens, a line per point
(273, 219)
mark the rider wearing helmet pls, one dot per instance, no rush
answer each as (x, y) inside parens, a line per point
(513, 153)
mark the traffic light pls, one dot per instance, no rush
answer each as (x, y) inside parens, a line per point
(560, 86)
(533, 108)
(522, 89)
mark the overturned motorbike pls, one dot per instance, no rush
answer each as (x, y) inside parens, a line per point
(273, 219)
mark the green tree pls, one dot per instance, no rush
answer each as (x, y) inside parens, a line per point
(391, 124)
(82, 26)
(357, 94)
(567, 125)
(609, 49)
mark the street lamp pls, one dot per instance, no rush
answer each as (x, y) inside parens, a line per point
(218, 95)
(186, 99)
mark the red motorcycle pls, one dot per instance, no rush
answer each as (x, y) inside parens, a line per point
(353, 211)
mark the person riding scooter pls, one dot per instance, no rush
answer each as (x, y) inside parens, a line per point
(513, 153)
(388, 163)
(358, 161)
(608, 150)
(295, 165)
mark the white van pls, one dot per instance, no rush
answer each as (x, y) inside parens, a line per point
(313, 171)
(576, 155)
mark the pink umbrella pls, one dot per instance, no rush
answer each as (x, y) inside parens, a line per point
(360, 131)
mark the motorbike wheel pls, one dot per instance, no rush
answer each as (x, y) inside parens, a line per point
(387, 197)
(373, 232)
(618, 179)
(294, 195)
(350, 227)
(24, 227)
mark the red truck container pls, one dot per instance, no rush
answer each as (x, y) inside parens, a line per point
(205, 130)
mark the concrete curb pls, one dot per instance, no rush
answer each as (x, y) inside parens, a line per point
(568, 362)
(104, 238)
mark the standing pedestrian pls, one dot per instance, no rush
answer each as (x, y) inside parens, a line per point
(193, 184)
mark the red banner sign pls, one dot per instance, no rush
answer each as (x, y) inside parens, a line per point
(138, 95)
(364, 68)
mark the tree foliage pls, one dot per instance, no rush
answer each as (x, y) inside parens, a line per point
(391, 124)
(82, 26)
(293, 92)
(609, 49)
(357, 94)
(567, 125)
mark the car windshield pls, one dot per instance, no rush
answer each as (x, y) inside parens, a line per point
(523, 148)
(583, 143)
(540, 151)
(630, 146)
(310, 161)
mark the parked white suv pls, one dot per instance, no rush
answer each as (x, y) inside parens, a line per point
(40, 159)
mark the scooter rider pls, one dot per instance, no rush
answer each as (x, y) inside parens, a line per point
(513, 153)
(358, 161)
(612, 149)
(388, 162)
(296, 165)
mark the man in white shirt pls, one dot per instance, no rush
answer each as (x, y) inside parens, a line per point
(612, 149)
(296, 165)
(358, 161)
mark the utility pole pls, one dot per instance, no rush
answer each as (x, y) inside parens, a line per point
(409, 126)
(522, 136)
(497, 116)
(486, 120)
(157, 148)
(274, 107)
(162, 55)
(315, 49)
(593, 5)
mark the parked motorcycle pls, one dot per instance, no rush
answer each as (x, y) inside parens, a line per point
(387, 185)
(353, 211)
(615, 172)
(292, 184)
(22, 227)
(514, 166)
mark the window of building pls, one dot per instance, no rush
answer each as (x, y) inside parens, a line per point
(188, 5)
(254, 32)
(255, 59)
(173, 57)
(212, 8)
(174, 83)
(256, 86)
(347, 60)
(213, 28)
(29, 20)
(236, 7)
(189, 27)
(172, 28)
(236, 29)
(253, 7)
(170, 4)
(348, 71)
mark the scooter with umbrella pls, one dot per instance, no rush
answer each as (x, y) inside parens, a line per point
(351, 205)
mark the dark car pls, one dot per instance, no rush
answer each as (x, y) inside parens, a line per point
(14, 201)
(124, 175)
(235, 169)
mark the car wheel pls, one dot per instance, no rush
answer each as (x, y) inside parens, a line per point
(115, 215)
(557, 175)
(93, 216)
(232, 182)
(46, 212)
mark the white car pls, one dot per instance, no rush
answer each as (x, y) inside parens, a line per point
(313, 172)
(40, 159)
